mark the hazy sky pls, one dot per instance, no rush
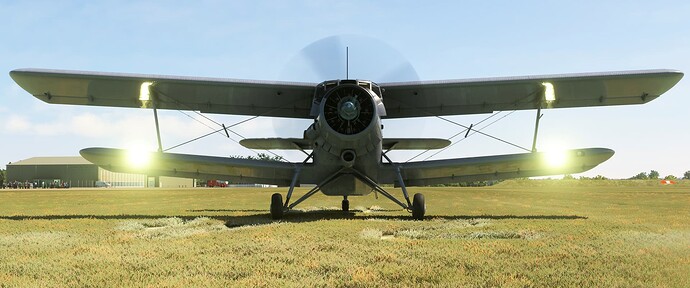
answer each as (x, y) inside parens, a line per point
(266, 40)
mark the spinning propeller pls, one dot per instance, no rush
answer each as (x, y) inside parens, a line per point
(348, 109)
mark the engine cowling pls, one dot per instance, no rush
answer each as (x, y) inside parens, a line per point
(347, 132)
(348, 109)
(348, 118)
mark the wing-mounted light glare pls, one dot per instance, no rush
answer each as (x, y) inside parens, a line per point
(556, 158)
(145, 94)
(138, 158)
(549, 93)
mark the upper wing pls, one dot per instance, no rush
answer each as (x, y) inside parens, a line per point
(212, 95)
(496, 167)
(471, 96)
(289, 99)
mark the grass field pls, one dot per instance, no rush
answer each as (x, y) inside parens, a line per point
(516, 234)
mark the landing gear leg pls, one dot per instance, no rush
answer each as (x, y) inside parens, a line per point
(346, 204)
(278, 208)
(417, 206)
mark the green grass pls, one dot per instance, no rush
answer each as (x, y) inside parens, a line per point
(516, 234)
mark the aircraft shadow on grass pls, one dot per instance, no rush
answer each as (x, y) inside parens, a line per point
(263, 218)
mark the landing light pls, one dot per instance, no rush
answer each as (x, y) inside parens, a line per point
(556, 158)
(144, 92)
(138, 158)
(549, 93)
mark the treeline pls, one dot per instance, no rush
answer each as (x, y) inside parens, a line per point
(652, 175)
(469, 184)
(261, 156)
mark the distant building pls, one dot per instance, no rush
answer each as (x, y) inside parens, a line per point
(77, 172)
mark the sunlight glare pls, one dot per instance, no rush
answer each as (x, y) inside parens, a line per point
(555, 153)
(138, 157)
(144, 92)
(556, 158)
(549, 93)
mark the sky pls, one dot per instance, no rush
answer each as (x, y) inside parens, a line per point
(270, 40)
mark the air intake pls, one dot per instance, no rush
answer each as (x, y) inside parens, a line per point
(348, 109)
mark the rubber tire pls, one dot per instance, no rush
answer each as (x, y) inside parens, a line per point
(276, 206)
(346, 205)
(418, 207)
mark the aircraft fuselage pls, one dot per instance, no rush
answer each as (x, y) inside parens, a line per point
(346, 134)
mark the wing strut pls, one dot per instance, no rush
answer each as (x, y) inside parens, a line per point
(154, 100)
(298, 169)
(536, 130)
(158, 130)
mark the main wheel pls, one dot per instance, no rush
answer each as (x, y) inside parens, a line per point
(346, 205)
(276, 206)
(418, 207)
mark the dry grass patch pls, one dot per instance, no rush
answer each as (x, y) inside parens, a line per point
(548, 236)
(172, 227)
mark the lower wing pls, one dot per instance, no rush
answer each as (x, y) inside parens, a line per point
(414, 173)
(496, 167)
(191, 166)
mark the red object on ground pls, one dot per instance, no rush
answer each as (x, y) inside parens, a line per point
(216, 183)
(668, 182)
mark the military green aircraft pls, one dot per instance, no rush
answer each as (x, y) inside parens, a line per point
(345, 147)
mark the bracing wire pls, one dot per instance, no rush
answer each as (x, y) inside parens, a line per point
(487, 135)
(466, 128)
(459, 133)
(226, 128)
(476, 131)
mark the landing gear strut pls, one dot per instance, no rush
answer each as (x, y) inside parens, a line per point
(417, 206)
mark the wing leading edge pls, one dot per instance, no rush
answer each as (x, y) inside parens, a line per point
(294, 100)
(211, 95)
(496, 167)
(472, 96)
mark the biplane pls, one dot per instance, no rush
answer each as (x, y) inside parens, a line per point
(346, 152)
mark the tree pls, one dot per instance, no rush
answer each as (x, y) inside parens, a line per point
(654, 174)
(670, 177)
(568, 177)
(686, 176)
(641, 176)
(266, 157)
(261, 156)
(600, 177)
(3, 176)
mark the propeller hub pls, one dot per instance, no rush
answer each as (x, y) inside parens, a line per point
(348, 110)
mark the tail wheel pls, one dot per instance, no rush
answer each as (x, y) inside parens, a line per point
(418, 207)
(276, 206)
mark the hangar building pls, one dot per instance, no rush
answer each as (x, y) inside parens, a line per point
(77, 172)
